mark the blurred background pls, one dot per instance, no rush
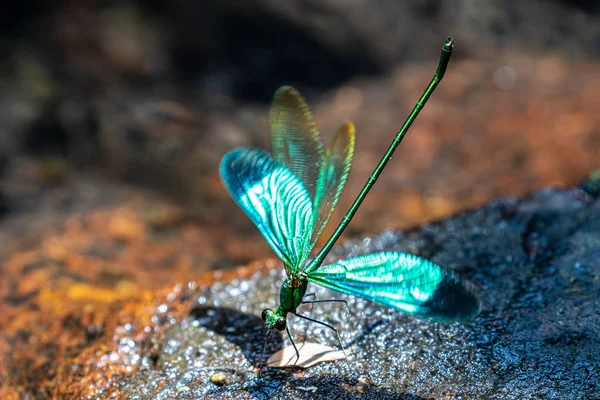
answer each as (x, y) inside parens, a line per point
(128, 106)
(114, 116)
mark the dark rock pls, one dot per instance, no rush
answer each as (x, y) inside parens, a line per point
(534, 262)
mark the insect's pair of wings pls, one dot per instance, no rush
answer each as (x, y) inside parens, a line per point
(291, 195)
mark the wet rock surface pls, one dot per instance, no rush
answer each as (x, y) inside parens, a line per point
(534, 262)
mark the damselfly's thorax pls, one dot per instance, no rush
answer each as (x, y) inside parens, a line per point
(291, 293)
(290, 297)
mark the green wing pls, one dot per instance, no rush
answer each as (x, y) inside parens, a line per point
(296, 143)
(333, 175)
(408, 283)
(295, 140)
(274, 199)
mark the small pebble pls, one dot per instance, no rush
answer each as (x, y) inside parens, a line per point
(218, 379)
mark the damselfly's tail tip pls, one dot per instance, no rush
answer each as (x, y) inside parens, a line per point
(449, 42)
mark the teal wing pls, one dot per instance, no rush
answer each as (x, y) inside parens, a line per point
(408, 283)
(274, 199)
(333, 175)
(295, 140)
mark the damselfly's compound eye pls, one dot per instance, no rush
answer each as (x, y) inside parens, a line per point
(264, 315)
(280, 324)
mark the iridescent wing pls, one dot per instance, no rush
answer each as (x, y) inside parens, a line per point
(408, 283)
(295, 140)
(333, 175)
(274, 199)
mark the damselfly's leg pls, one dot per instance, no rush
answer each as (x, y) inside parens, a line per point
(262, 357)
(293, 344)
(328, 326)
(311, 310)
(326, 301)
(330, 301)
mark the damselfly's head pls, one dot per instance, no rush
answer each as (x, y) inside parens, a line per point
(273, 320)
